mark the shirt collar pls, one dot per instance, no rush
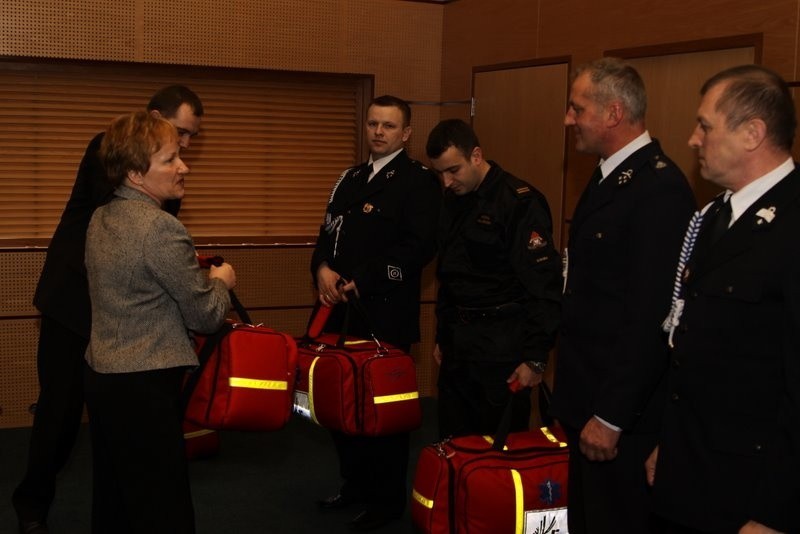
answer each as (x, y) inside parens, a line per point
(378, 164)
(749, 194)
(608, 165)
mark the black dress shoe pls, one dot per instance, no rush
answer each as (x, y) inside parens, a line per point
(335, 502)
(371, 520)
(33, 527)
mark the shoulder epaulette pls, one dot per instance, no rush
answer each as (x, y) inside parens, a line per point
(659, 163)
(419, 164)
(520, 188)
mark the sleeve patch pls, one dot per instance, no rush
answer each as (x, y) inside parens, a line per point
(536, 241)
(394, 273)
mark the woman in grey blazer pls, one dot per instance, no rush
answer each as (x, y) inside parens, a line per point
(147, 293)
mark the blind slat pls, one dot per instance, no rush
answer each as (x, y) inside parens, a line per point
(269, 150)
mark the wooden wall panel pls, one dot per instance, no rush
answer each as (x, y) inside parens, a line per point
(19, 385)
(75, 29)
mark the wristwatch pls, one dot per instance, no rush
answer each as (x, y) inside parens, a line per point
(536, 367)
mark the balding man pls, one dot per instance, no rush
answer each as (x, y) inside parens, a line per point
(729, 453)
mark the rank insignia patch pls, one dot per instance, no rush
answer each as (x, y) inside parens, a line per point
(394, 273)
(765, 215)
(367, 208)
(483, 218)
(660, 165)
(549, 492)
(536, 241)
(625, 177)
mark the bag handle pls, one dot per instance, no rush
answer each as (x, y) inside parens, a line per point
(320, 315)
(205, 263)
(504, 427)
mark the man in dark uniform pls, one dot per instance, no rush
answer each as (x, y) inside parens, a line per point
(623, 243)
(729, 451)
(500, 284)
(378, 235)
(62, 296)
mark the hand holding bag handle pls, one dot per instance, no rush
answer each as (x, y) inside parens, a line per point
(504, 428)
(320, 315)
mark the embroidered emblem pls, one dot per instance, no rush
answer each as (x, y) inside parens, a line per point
(625, 177)
(660, 165)
(394, 273)
(765, 215)
(484, 219)
(549, 492)
(358, 171)
(536, 241)
(390, 174)
(367, 208)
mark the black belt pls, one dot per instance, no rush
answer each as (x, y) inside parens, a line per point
(471, 315)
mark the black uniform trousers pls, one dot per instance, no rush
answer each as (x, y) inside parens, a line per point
(616, 492)
(141, 477)
(60, 363)
(473, 397)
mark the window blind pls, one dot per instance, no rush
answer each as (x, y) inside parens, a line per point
(271, 144)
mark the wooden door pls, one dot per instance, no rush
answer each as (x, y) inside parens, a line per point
(519, 119)
(673, 85)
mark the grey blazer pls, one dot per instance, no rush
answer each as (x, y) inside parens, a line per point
(146, 288)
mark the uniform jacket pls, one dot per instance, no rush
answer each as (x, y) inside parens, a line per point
(496, 249)
(382, 234)
(730, 444)
(624, 241)
(146, 288)
(62, 292)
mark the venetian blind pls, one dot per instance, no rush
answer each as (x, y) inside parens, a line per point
(271, 144)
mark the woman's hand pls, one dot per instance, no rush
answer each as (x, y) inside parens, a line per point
(225, 273)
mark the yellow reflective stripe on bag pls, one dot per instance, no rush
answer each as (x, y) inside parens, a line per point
(427, 503)
(519, 523)
(551, 437)
(197, 433)
(252, 383)
(385, 399)
(311, 390)
(490, 441)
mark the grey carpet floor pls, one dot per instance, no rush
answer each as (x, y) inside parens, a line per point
(259, 483)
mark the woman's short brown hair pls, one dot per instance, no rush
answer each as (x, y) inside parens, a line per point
(130, 141)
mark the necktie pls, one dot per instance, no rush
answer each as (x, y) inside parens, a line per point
(721, 222)
(369, 173)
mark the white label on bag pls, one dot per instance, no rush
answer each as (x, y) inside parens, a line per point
(551, 521)
(301, 404)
